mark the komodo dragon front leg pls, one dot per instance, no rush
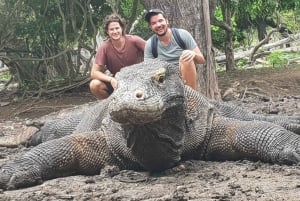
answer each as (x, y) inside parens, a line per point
(75, 154)
(83, 119)
(254, 140)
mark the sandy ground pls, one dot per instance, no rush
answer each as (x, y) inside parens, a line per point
(260, 91)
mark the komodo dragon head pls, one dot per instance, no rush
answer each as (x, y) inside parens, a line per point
(145, 92)
(149, 103)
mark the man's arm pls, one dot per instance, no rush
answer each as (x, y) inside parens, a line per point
(192, 51)
(148, 50)
(195, 54)
(97, 72)
(140, 43)
(199, 58)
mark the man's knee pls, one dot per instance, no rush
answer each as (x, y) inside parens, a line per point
(187, 66)
(94, 84)
(189, 73)
(100, 89)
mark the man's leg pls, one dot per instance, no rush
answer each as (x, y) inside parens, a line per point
(189, 73)
(99, 89)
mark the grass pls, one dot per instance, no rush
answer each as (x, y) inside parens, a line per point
(5, 76)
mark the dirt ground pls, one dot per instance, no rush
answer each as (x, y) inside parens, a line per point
(275, 91)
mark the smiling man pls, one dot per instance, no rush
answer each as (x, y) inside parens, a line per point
(175, 46)
(118, 51)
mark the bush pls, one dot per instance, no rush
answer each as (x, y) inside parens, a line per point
(278, 59)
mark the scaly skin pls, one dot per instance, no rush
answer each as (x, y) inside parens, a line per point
(151, 122)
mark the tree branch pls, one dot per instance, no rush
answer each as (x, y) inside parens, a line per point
(261, 43)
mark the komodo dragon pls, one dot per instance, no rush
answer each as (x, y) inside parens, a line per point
(151, 122)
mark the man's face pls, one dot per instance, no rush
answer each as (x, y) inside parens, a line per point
(114, 30)
(159, 24)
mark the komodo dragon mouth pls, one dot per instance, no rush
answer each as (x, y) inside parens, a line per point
(143, 112)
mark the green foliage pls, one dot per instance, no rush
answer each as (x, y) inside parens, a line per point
(278, 59)
(291, 19)
(5, 76)
(218, 34)
(132, 12)
(249, 16)
(218, 14)
(241, 64)
(248, 12)
(127, 8)
(220, 68)
(289, 5)
(218, 37)
(36, 34)
(135, 18)
(256, 8)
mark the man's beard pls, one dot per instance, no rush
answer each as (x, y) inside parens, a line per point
(164, 33)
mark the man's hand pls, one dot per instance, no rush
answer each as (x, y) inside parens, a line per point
(114, 82)
(188, 55)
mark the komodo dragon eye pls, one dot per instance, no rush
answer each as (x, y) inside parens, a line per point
(161, 79)
(160, 75)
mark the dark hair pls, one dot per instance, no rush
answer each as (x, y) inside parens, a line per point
(153, 12)
(113, 18)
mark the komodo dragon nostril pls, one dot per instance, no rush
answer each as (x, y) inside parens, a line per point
(139, 94)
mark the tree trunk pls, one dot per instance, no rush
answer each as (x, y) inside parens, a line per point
(230, 64)
(193, 15)
(261, 28)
